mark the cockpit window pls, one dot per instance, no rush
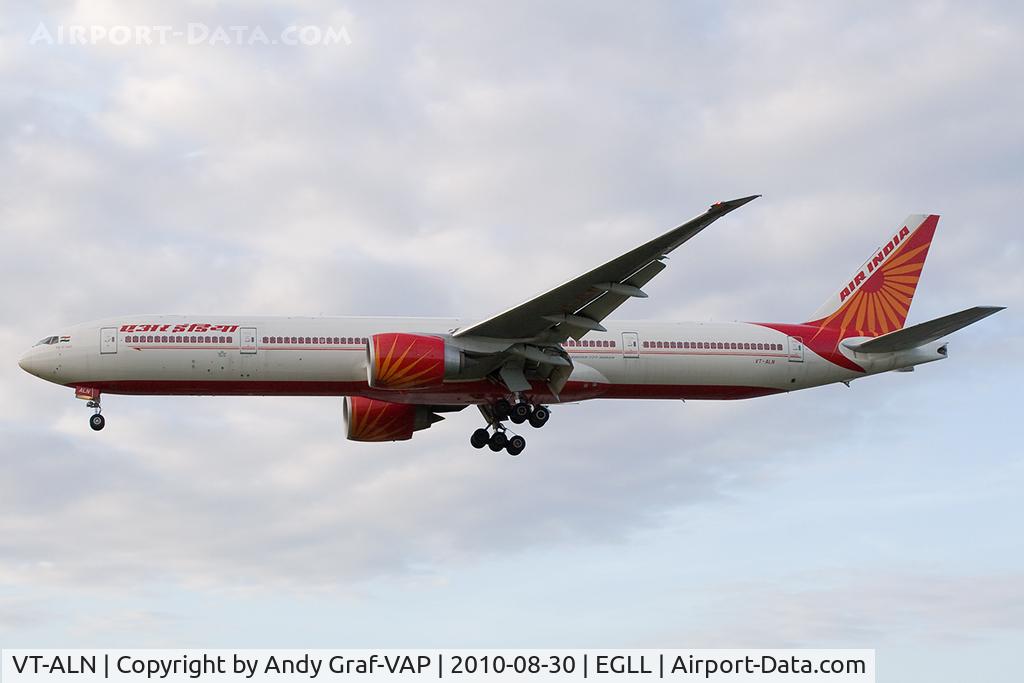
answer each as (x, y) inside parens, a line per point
(47, 341)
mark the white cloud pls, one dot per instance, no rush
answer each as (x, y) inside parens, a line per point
(453, 162)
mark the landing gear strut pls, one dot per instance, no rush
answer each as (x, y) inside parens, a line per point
(518, 413)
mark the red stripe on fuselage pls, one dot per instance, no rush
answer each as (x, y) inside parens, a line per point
(456, 393)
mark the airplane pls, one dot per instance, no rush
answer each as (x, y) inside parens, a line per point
(398, 376)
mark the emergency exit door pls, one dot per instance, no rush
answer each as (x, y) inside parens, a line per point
(796, 350)
(108, 340)
(630, 345)
(248, 340)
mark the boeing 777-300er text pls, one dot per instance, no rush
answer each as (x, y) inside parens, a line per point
(400, 375)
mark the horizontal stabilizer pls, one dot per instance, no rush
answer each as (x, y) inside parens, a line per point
(918, 335)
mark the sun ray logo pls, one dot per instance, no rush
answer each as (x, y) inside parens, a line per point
(370, 420)
(877, 299)
(875, 262)
(406, 361)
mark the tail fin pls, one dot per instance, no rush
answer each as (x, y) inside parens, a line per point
(877, 298)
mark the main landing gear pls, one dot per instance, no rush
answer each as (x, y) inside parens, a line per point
(496, 414)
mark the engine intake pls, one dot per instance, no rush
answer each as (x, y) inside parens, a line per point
(367, 419)
(397, 360)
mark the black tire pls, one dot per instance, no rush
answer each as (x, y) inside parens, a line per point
(516, 445)
(501, 409)
(480, 438)
(520, 413)
(497, 441)
(539, 417)
(97, 422)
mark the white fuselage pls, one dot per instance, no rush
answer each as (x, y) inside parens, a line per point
(236, 355)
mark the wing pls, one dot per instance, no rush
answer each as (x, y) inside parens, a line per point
(578, 306)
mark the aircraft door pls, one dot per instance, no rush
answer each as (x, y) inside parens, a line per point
(796, 350)
(630, 345)
(108, 340)
(248, 340)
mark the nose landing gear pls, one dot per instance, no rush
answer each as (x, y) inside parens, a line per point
(92, 395)
(96, 420)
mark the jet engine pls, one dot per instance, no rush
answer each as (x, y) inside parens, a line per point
(399, 361)
(369, 420)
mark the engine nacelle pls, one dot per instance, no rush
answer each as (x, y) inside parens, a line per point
(396, 360)
(369, 420)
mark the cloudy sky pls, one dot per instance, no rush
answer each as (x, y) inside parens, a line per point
(453, 160)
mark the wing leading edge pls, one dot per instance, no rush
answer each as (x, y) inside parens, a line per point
(578, 306)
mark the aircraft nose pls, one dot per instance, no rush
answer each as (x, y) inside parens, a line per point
(29, 362)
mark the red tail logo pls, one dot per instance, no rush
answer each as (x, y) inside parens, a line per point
(875, 261)
(876, 301)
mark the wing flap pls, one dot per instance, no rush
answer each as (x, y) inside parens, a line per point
(602, 307)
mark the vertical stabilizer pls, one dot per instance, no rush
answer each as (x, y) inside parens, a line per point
(876, 299)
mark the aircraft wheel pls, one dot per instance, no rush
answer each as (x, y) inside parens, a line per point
(520, 413)
(497, 441)
(539, 417)
(501, 409)
(97, 422)
(480, 438)
(516, 445)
